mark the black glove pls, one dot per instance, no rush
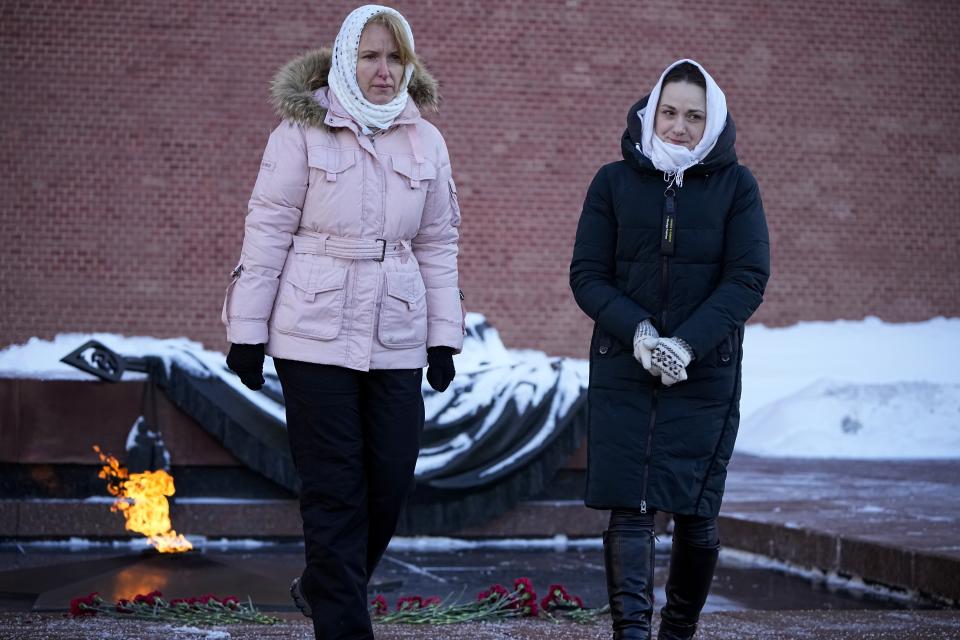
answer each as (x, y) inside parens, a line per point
(246, 360)
(440, 370)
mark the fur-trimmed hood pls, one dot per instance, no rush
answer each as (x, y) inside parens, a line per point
(292, 90)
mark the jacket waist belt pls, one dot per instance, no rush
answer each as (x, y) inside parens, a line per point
(307, 241)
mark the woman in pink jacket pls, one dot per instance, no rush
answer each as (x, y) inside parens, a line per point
(348, 278)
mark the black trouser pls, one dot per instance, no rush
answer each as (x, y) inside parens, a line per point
(695, 531)
(693, 558)
(355, 437)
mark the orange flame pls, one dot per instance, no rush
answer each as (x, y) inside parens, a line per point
(142, 499)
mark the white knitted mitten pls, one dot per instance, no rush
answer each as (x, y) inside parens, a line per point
(641, 351)
(670, 359)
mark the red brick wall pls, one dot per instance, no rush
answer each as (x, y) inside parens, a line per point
(131, 135)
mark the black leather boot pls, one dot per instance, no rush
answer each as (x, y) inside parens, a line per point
(691, 573)
(629, 560)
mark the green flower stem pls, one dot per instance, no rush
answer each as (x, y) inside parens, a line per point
(586, 616)
(212, 613)
(509, 606)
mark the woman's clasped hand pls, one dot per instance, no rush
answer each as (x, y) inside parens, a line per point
(664, 358)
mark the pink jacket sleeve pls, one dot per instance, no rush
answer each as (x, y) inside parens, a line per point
(435, 247)
(273, 217)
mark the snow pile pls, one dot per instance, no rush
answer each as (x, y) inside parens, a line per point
(493, 385)
(838, 420)
(852, 389)
(40, 359)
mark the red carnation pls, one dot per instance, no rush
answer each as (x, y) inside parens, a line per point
(380, 606)
(523, 583)
(495, 592)
(409, 603)
(431, 601)
(84, 606)
(231, 601)
(527, 594)
(559, 591)
(560, 598)
(207, 598)
(149, 598)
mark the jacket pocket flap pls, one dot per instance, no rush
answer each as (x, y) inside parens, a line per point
(415, 171)
(405, 286)
(331, 161)
(329, 279)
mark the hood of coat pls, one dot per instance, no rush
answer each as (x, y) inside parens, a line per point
(292, 90)
(722, 154)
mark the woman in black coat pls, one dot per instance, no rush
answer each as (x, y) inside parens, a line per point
(671, 259)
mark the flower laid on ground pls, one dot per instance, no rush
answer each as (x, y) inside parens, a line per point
(205, 609)
(527, 597)
(149, 598)
(494, 603)
(409, 603)
(557, 598)
(522, 600)
(379, 606)
(86, 606)
(559, 601)
(495, 592)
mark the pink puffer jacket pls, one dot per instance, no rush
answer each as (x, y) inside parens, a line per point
(350, 248)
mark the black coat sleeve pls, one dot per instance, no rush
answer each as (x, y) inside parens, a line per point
(746, 268)
(593, 268)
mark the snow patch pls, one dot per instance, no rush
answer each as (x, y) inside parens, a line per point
(852, 389)
(194, 632)
(558, 542)
(830, 579)
(40, 359)
(398, 543)
(830, 419)
(432, 458)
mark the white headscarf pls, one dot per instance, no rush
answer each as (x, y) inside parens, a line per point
(343, 71)
(674, 159)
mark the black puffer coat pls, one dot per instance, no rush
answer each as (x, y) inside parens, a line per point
(652, 446)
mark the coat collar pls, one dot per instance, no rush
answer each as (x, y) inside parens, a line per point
(336, 116)
(296, 90)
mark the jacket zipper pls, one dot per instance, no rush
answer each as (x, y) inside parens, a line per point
(666, 249)
(646, 460)
(664, 279)
(664, 286)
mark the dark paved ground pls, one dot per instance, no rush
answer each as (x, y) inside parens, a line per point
(891, 522)
(791, 625)
(41, 580)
